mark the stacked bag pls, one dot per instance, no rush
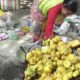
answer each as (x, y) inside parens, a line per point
(25, 3)
(9, 4)
(14, 4)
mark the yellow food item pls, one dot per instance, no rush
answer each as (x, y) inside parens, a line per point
(56, 39)
(25, 29)
(47, 69)
(74, 43)
(72, 58)
(59, 62)
(78, 50)
(44, 49)
(61, 69)
(57, 54)
(61, 43)
(77, 66)
(65, 78)
(67, 63)
(75, 73)
(72, 68)
(1, 13)
(69, 74)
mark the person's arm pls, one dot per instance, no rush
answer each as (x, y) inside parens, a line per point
(52, 15)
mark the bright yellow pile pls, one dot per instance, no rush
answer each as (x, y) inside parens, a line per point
(54, 61)
(1, 13)
(25, 29)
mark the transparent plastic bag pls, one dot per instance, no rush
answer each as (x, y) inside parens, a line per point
(23, 22)
(27, 21)
(3, 26)
(10, 23)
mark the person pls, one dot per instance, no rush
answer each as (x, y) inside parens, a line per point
(42, 10)
(71, 24)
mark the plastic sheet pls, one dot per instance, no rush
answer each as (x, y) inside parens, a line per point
(23, 50)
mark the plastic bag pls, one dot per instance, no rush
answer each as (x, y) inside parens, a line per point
(27, 21)
(9, 22)
(12, 35)
(3, 26)
(23, 22)
(3, 36)
(23, 50)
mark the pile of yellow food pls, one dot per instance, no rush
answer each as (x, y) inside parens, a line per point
(54, 61)
(1, 13)
(25, 29)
